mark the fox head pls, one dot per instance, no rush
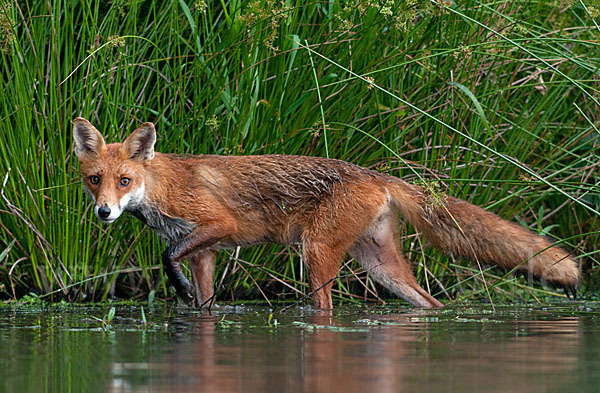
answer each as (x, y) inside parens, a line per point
(113, 175)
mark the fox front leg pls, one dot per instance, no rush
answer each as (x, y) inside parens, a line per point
(199, 239)
(176, 276)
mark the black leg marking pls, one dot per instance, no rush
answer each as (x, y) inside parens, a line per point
(176, 276)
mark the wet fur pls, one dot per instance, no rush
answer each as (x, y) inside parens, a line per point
(170, 229)
(201, 204)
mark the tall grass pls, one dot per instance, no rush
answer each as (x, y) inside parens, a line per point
(493, 102)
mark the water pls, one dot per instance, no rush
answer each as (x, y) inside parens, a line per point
(357, 349)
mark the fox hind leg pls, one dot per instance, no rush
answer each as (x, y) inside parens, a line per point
(377, 252)
(322, 263)
(337, 222)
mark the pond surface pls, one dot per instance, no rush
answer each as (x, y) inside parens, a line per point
(357, 349)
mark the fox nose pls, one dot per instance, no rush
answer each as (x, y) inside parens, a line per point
(104, 211)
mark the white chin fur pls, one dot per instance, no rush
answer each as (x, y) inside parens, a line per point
(133, 198)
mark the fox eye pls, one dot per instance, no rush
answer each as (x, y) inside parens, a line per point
(94, 179)
(124, 181)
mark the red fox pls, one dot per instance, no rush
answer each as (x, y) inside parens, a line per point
(201, 204)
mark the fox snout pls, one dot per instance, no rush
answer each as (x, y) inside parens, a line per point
(104, 212)
(107, 214)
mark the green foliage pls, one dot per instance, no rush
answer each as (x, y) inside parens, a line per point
(108, 319)
(494, 102)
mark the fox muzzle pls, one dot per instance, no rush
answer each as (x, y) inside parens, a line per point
(104, 212)
(108, 214)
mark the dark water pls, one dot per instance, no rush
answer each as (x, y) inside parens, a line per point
(357, 349)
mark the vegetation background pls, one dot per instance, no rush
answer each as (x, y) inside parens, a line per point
(495, 102)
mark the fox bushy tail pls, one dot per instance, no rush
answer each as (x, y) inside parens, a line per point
(456, 226)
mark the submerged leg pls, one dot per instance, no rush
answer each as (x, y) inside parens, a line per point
(202, 266)
(322, 262)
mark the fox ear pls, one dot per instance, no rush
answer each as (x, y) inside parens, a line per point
(140, 144)
(88, 140)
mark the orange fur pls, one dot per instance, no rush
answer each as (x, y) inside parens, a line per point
(200, 204)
